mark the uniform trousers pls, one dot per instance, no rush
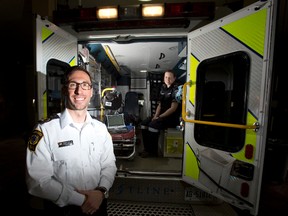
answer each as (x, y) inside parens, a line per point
(151, 130)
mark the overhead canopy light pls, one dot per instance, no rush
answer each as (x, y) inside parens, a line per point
(107, 13)
(168, 15)
(148, 10)
(153, 10)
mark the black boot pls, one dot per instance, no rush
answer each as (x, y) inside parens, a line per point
(145, 139)
(150, 144)
(153, 144)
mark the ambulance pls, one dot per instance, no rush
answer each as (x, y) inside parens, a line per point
(225, 65)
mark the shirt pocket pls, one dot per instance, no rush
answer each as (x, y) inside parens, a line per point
(66, 153)
(63, 157)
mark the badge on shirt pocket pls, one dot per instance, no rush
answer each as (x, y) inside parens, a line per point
(65, 143)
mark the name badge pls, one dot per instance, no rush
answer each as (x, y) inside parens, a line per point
(65, 143)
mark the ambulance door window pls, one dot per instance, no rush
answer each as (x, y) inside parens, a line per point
(221, 96)
(55, 72)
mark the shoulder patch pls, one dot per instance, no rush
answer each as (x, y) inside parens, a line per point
(34, 139)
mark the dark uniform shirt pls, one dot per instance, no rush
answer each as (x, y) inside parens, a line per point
(166, 97)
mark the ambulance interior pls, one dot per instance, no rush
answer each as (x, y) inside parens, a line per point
(120, 87)
(154, 57)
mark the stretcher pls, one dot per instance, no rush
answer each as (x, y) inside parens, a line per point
(124, 143)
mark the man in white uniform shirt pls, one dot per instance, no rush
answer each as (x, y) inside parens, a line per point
(70, 160)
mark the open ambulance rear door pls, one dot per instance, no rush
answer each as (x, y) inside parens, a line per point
(226, 103)
(55, 51)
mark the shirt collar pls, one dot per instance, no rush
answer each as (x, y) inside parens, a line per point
(66, 119)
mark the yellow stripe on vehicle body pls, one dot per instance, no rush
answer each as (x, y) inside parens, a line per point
(73, 61)
(191, 164)
(250, 30)
(46, 33)
(193, 72)
(44, 98)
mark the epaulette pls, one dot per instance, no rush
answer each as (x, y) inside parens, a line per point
(42, 121)
(94, 117)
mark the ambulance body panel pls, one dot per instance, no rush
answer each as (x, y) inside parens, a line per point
(226, 104)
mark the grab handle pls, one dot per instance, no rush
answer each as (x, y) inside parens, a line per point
(185, 114)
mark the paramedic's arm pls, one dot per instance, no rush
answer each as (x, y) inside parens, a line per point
(108, 165)
(157, 112)
(169, 111)
(40, 178)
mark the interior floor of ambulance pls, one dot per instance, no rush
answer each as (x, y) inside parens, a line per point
(149, 165)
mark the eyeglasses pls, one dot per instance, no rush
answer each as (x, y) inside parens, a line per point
(74, 85)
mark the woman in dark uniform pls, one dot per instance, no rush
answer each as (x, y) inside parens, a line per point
(167, 115)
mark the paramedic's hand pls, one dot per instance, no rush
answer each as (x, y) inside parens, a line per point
(155, 117)
(92, 202)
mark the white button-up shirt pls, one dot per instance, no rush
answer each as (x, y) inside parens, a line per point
(62, 157)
